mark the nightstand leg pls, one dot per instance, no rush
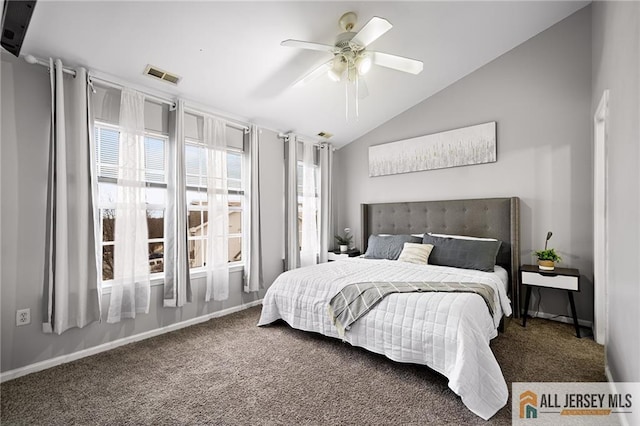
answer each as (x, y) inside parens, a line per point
(526, 306)
(573, 312)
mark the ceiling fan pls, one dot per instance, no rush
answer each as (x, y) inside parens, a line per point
(351, 59)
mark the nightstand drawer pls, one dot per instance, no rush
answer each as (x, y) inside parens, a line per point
(558, 281)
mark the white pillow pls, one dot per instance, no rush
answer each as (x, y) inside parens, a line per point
(462, 237)
(416, 253)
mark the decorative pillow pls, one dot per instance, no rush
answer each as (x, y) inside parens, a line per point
(462, 253)
(388, 246)
(416, 253)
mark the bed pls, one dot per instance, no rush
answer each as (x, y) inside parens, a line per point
(448, 332)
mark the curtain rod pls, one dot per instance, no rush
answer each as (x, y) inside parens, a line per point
(322, 144)
(103, 82)
(229, 122)
(33, 60)
(172, 103)
(37, 61)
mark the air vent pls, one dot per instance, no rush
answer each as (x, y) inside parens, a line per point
(325, 135)
(161, 74)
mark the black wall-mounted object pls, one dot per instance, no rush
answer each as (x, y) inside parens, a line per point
(16, 16)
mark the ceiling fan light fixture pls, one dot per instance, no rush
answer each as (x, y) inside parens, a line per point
(337, 69)
(334, 75)
(363, 64)
(351, 58)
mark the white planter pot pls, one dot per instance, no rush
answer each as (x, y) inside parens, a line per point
(344, 248)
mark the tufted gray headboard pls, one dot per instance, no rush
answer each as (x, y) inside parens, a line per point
(483, 217)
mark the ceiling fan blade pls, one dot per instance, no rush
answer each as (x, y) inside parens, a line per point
(314, 73)
(308, 45)
(399, 63)
(371, 31)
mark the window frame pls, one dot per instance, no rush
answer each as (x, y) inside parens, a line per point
(300, 198)
(233, 193)
(156, 278)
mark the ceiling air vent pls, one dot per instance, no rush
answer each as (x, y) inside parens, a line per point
(325, 135)
(161, 75)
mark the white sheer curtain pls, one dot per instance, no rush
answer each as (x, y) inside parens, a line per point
(217, 257)
(292, 247)
(326, 200)
(310, 235)
(177, 286)
(253, 280)
(71, 296)
(130, 292)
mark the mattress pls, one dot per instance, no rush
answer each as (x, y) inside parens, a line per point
(449, 332)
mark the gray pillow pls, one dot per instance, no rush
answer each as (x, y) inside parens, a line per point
(468, 254)
(388, 246)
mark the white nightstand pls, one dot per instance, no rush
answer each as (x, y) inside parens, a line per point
(336, 255)
(560, 278)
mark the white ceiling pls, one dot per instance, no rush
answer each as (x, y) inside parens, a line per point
(230, 59)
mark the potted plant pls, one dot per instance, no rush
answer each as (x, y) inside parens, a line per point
(547, 257)
(344, 241)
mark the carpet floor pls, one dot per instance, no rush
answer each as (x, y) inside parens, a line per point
(228, 371)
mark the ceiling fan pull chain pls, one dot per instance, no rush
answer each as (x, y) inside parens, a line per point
(346, 100)
(357, 96)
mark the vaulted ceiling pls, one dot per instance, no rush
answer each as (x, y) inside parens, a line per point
(230, 59)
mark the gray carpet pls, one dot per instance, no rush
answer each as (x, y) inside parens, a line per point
(228, 371)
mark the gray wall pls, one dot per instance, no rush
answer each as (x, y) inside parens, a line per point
(616, 66)
(23, 159)
(540, 96)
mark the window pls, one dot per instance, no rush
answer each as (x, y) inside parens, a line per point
(156, 145)
(107, 149)
(196, 178)
(301, 198)
(315, 201)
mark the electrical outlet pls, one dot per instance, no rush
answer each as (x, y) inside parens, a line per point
(23, 316)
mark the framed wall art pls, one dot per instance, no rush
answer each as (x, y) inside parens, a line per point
(453, 148)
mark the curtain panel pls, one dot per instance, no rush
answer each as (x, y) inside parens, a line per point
(326, 201)
(71, 293)
(130, 290)
(253, 279)
(217, 253)
(177, 284)
(292, 247)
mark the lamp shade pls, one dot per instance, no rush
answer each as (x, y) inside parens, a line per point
(363, 64)
(334, 75)
(337, 68)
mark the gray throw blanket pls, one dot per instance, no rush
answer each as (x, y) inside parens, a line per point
(355, 300)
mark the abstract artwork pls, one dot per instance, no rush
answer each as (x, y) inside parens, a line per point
(459, 147)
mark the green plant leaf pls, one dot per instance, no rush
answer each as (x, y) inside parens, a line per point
(548, 254)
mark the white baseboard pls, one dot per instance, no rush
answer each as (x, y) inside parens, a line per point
(43, 365)
(607, 373)
(560, 318)
(614, 390)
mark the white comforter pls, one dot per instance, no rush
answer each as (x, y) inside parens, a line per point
(449, 332)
